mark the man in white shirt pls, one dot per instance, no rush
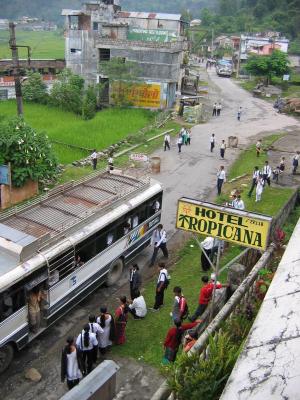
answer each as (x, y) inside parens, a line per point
(266, 173)
(239, 203)
(212, 142)
(86, 342)
(179, 143)
(94, 157)
(161, 285)
(138, 306)
(221, 175)
(167, 141)
(222, 149)
(159, 240)
(96, 329)
(207, 246)
(255, 177)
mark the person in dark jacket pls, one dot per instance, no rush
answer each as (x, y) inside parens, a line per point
(70, 364)
(135, 281)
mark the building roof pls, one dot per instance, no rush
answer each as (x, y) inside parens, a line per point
(67, 11)
(149, 15)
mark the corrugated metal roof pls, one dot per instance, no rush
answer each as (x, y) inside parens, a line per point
(147, 15)
(67, 11)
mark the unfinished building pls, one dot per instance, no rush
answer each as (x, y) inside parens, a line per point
(154, 41)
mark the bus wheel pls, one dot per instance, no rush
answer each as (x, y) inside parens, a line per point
(6, 356)
(115, 272)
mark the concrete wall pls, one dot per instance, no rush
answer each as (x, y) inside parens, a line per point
(16, 195)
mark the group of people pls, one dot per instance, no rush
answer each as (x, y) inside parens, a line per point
(213, 143)
(183, 138)
(110, 160)
(217, 108)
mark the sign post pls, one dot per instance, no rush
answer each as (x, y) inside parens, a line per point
(224, 223)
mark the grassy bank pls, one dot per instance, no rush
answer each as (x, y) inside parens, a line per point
(55, 47)
(107, 127)
(145, 338)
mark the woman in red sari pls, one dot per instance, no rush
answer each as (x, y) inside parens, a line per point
(121, 315)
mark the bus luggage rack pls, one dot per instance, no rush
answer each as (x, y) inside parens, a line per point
(67, 205)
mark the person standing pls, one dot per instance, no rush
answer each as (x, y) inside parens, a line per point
(212, 142)
(167, 142)
(161, 285)
(258, 147)
(221, 178)
(159, 240)
(138, 306)
(204, 297)
(222, 149)
(282, 164)
(97, 330)
(34, 310)
(135, 280)
(214, 113)
(180, 307)
(295, 162)
(121, 316)
(94, 157)
(107, 323)
(267, 173)
(206, 246)
(188, 137)
(259, 188)
(86, 342)
(179, 142)
(70, 364)
(255, 176)
(219, 109)
(110, 163)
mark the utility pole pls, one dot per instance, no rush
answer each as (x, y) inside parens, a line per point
(212, 43)
(16, 67)
(239, 59)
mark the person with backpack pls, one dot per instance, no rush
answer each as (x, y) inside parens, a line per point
(70, 364)
(162, 284)
(173, 339)
(96, 329)
(107, 336)
(180, 308)
(85, 343)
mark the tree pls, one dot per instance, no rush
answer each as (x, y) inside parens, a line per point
(67, 92)
(34, 89)
(29, 152)
(89, 103)
(274, 65)
(122, 74)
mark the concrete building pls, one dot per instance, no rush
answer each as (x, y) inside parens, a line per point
(156, 42)
(262, 45)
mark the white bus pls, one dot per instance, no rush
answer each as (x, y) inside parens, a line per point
(68, 243)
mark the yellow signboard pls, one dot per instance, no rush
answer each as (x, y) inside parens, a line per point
(225, 223)
(137, 94)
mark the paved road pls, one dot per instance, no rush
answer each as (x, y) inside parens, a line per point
(193, 174)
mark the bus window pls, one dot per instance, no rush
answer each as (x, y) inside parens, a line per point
(11, 301)
(135, 221)
(109, 239)
(78, 261)
(64, 264)
(126, 228)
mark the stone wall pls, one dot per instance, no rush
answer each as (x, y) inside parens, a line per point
(10, 197)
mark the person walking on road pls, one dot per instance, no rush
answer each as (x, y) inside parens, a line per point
(94, 157)
(295, 162)
(159, 240)
(239, 113)
(135, 280)
(222, 149)
(179, 142)
(267, 173)
(255, 176)
(70, 364)
(221, 178)
(188, 137)
(214, 113)
(86, 341)
(167, 142)
(212, 142)
(161, 285)
(219, 109)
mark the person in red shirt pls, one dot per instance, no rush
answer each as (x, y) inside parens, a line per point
(204, 297)
(173, 339)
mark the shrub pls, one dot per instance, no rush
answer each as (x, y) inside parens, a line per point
(29, 153)
(34, 89)
(89, 103)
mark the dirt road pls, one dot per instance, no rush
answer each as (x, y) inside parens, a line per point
(191, 173)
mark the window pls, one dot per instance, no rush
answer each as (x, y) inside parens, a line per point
(104, 55)
(11, 300)
(75, 51)
(3, 94)
(95, 26)
(61, 266)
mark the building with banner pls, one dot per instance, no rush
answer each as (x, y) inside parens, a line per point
(101, 31)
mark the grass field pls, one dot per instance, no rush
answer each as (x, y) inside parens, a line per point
(43, 44)
(145, 338)
(108, 127)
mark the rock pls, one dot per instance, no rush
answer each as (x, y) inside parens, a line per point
(33, 375)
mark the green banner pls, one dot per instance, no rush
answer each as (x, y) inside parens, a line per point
(151, 35)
